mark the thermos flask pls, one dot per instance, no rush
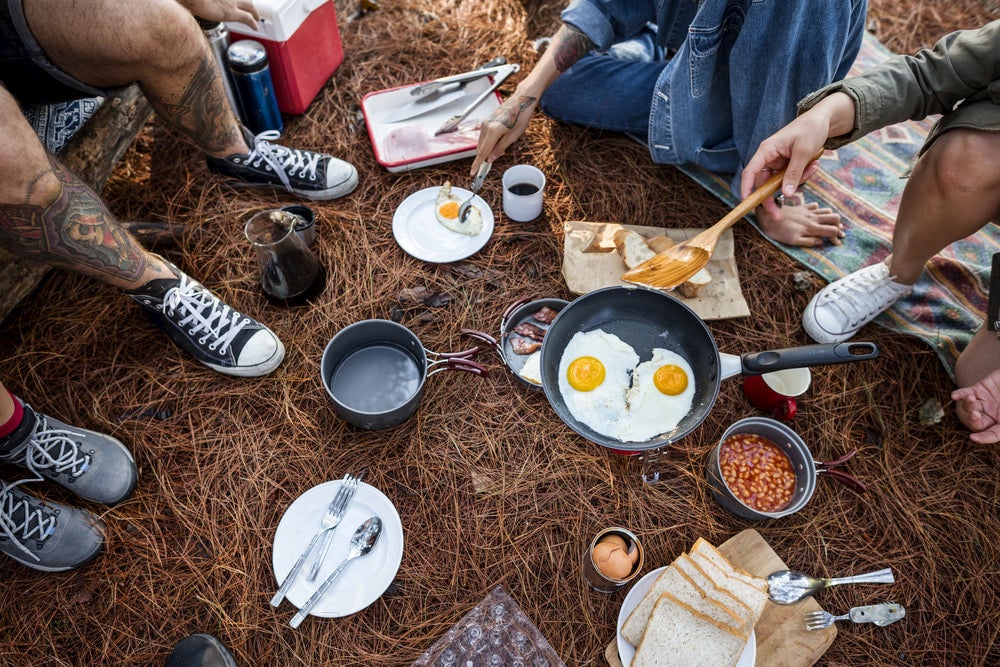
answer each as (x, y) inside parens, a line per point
(252, 80)
(218, 39)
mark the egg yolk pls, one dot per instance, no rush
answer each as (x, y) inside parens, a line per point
(585, 373)
(449, 209)
(670, 380)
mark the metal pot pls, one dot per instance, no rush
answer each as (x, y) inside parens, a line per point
(647, 319)
(519, 312)
(374, 372)
(806, 469)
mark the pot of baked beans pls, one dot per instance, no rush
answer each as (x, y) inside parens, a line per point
(762, 469)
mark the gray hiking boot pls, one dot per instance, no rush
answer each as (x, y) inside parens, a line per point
(200, 651)
(92, 465)
(47, 536)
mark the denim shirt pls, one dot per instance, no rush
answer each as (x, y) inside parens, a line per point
(737, 67)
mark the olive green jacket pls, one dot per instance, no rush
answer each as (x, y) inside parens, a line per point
(958, 78)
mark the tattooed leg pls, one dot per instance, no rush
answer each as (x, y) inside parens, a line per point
(75, 230)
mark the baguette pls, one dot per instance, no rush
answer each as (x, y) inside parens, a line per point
(632, 248)
(679, 636)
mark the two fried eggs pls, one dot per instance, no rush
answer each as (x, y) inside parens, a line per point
(606, 388)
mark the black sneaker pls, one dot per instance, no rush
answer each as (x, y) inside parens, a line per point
(94, 466)
(305, 173)
(47, 536)
(218, 336)
(200, 651)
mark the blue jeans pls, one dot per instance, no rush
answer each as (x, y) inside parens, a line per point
(736, 75)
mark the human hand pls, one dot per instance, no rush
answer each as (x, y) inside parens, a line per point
(978, 407)
(240, 11)
(793, 147)
(503, 127)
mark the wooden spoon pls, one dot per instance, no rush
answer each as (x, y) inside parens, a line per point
(676, 265)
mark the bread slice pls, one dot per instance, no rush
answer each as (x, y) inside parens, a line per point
(740, 609)
(633, 248)
(673, 580)
(724, 578)
(706, 548)
(679, 636)
(660, 243)
(693, 286)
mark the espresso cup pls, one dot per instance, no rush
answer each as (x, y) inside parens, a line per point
(522, 192)
(775, 392)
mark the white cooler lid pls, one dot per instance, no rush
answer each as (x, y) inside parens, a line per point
(279, 19)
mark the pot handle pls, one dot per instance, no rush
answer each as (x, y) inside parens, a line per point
(484, 337)
(464, 354)
(758, 363)
(847, 479)
(510, 310)
(456, 364)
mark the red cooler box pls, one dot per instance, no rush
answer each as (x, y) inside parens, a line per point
(303, 47)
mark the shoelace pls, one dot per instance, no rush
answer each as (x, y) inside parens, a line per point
(52, 448)
(36, 523)
(854, 299)
(192, 300)
(283, 160)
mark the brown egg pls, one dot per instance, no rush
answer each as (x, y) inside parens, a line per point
(611, 560)
(617, 540)
(633, 553)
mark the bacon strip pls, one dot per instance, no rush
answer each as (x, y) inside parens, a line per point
(545, 315)
(524, 345)
(530, 330)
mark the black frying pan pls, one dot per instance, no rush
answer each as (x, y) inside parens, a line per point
(647, 319)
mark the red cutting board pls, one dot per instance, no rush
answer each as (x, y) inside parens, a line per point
(782, 638)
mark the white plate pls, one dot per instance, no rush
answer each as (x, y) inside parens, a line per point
(419, 233)
(625, 649)
(365, 579)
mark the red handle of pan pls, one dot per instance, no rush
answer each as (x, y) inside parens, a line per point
(847, 479)
(466, 365)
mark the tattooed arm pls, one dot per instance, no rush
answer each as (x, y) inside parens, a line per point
(510, 120)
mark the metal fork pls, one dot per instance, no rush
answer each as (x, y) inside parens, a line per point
(334, 513)
(879, 614)
(331, 522)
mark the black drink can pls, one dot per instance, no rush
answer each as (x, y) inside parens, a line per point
(218, 39)
(252, 80)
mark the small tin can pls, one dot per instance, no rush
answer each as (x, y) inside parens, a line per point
(305, 223)
(218, 39)
(591, 572)
(252, 80)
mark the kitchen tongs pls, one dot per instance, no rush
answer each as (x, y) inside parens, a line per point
(489, 69)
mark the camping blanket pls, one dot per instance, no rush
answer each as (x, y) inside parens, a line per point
(863, 182)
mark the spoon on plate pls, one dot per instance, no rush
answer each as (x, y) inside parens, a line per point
(362, 542)
(477, 185)
(789, 586)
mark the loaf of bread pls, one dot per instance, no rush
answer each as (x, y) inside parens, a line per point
(679, 636)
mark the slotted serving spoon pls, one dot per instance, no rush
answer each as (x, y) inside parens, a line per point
(676, 265)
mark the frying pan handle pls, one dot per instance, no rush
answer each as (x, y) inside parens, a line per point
(847, 479)
(758, 363)
(484, 337)
(456, 364)
(464, 354)
(510, 310)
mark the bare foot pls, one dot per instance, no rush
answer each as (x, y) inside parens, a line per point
(978, 407)
(803, 225)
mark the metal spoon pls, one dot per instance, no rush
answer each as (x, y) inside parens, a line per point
(364, 539)
(477, 185)
(789, 586)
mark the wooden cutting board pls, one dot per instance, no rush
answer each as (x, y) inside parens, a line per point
(782, 638)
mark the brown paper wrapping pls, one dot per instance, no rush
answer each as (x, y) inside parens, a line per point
(590, 262)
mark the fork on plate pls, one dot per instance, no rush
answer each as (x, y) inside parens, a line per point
(879, 614)
(330, 521)
(331, 518)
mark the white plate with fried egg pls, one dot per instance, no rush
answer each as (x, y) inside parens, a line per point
(420, 225)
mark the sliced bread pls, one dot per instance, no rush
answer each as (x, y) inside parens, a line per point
(672, 580)
(725, 579)
(706, 548)
(633, 248)
(689, 568)
(679, 636)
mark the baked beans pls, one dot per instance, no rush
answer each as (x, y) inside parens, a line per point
(757, 471)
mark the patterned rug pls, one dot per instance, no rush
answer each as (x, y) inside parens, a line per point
(863, 182)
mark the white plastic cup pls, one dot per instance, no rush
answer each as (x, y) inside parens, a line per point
(522, 192)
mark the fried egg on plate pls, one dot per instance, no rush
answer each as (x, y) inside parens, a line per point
(594, 374)
(661, 396)
(446, 206)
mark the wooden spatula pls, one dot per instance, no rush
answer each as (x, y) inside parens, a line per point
(675, 265)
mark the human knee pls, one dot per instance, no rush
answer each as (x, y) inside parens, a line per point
(169, 37)
(966, 162)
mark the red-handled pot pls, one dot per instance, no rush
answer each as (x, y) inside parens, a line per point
(374, 372)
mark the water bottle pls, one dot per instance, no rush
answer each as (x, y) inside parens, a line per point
(252, 80)
(218, 39)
